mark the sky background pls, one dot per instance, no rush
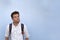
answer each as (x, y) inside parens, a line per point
(42, 17)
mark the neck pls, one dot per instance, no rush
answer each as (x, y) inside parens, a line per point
(15, 23)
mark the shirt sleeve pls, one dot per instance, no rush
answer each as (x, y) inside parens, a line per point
(26, 32)
(7, 31)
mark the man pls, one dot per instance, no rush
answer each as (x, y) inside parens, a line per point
(16, 33)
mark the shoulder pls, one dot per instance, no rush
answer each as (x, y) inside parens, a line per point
(23, 25)
(8, 25)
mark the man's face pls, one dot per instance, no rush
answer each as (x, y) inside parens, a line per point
(16, 18)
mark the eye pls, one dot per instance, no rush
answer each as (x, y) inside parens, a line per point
(18, 16)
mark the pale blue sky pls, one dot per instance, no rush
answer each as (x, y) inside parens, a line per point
(42, 17)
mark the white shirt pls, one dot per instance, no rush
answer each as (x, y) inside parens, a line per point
(16, 33)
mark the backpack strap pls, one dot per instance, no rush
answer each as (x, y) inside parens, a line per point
(22, 28)
(10, 28)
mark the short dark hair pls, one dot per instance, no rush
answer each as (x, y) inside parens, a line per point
(15, 12)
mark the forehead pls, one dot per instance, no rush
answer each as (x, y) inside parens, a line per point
(15, 15)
